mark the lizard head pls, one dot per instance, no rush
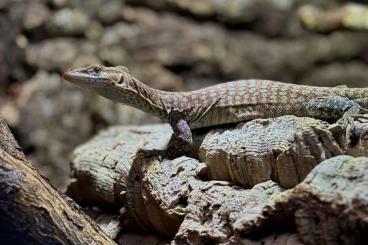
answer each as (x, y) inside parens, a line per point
(114, 83)
(96, 76)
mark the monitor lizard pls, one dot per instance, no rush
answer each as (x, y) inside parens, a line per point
(225, 103)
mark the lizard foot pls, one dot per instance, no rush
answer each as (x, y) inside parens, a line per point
(361, 115)
(336, 107)
(355, 112)
(181, 142)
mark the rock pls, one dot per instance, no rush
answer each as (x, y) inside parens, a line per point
(161, 193)
(283, 149)
(43, 54)
(94, 31)
(216, 52)
(108, 222)
(135, 239)
(243, 13)
(37, 14)
(118, 33)
(274, 239)
(331, 204)
(9, 112)
(220, 213)
(338, 73)
(157, 76)
(114, 55)
(12, 54)
(58, 3)
(111, 11)
(117, 147)
(70, 53)
(5, 3)
(69, 22)
(351, 16)
(91, 7)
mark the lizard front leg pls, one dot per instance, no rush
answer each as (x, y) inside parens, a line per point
(181, 142)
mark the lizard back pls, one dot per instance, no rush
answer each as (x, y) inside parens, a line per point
(245, 100)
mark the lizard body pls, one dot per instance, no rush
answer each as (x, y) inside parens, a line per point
(225, 103)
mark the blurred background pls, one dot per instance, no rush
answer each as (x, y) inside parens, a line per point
(168, 44)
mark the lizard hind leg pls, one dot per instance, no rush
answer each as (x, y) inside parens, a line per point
(336, 108)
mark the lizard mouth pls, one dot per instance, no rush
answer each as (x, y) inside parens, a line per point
(72, 76)
(79, 78)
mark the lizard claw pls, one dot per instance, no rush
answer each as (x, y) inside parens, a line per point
(361, 117)
(362, 114)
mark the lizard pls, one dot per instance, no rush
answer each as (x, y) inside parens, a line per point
(225, 103)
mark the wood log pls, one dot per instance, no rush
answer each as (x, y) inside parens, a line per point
(141, 239)
(162, 194)
(283, 149)
(169, 197)
(102, 165)
(331, 204)
(285, 238)
(112, 224)
(32, 211)
(108, 222)
(9, 144)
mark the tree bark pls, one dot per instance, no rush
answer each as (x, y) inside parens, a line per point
(331, 205)
(32, 211)
(229, 194)
(168, 196)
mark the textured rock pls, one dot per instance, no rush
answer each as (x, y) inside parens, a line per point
(331, 204)
(274, 239)
(283, 149)
(239, 13)
(219, 213)
(37, 14)
(5, 3)
(111, 11)
(351, 16)
(69, 22)
(43, 55)
(180, 198)
(102, 174)
(11, 52)
(139, 239)
(337, 73)
(217, 52)
(167, 195)
(109, 223)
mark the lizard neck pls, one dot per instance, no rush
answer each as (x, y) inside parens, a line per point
(139, 95)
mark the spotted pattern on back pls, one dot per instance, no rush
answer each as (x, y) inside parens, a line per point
(245, 100)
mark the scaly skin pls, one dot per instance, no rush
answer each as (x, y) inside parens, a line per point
(225, 103)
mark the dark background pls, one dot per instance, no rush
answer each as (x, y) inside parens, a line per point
(168, 44)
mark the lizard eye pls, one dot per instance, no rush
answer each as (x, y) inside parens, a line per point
(96, 70)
